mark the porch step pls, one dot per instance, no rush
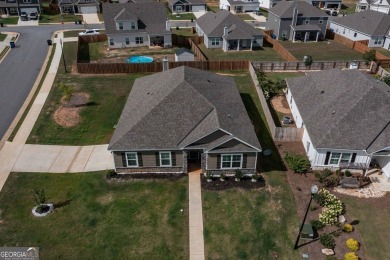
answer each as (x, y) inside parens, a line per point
(373, 171)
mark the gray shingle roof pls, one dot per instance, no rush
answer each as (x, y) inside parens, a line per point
(285, 9)
(171, 109)
(343, 109)
(232, 146)
(369, 22)
(212, 24)
(152, 17)
(192, 2)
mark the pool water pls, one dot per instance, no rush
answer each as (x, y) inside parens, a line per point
(139, 59)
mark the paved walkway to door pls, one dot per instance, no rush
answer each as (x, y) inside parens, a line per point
(196, 216)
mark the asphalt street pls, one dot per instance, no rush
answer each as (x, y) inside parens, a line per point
(21, 66)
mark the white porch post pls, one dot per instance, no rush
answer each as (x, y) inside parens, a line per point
(149, 39)
(293, 39)
(318, 33)
(238, 45)
(305, 36)
(251, 43)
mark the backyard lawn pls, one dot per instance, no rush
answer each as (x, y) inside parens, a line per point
(107, 96)
(252, 224)
(261, 54)
(322, 51)
(183, 32)
(183, 16)
(348, 6)
(97, 219)
(372, 217)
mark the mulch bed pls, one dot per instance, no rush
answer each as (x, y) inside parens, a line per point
(300, 185)
(145, 176)
(229, 183)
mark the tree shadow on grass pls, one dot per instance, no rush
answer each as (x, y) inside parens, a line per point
(272, 162)
(62, 204)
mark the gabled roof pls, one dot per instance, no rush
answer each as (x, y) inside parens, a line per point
(151, 17)
(125, 15)
(174, 108)
(284, 9)
(369, 22)
(212, 24)
(361, 2)
(343, 109)
(66, 2)
(192, 2)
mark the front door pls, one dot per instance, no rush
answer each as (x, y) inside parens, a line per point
(194, 160)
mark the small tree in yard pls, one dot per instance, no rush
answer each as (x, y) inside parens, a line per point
(39, 197)
(369, 56)
(308, 60)
(298, 163)
(386, 80)
(269, 87)
(67, 91)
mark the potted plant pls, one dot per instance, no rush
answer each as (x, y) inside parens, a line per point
(43, 208)
(222, 177)
(238, 175)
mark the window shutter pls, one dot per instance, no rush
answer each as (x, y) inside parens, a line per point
(244, 160)
(327, 158)
(124, 160)
(140, 163)
(353, 158)
(218, 161)
(157, 159)
(173, 157)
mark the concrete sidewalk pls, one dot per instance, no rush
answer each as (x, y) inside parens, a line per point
(195, 216)
(6, 42)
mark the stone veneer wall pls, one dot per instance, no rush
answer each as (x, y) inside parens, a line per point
(185, 162)
(203, 161)
(150, 170)
(232, 172)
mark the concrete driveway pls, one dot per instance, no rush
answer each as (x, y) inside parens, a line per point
(28, 23)
(91, 18)
(199, 14)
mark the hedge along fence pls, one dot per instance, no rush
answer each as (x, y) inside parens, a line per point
(278, 47)
(318, 65)
(286, 134)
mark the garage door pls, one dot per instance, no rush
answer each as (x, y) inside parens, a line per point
(198, 8)
(29, 10)
(88, 9)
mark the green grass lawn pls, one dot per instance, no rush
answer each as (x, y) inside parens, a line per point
(108, 94)
(44, 18)
(183, 16)
(252, 224)
(321, 51)
(349, 6)
(383, 51)
(2, 37)
(372, 215)
(245, 17)
(264, 12)
(213, 8)
(183, 32)
(73, 33)
(262, 54)
(10, 20)
(278, 76)
(120, 220)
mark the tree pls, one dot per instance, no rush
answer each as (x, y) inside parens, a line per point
(67, 91)
(369, 56)
(269, 87)
(386, 80)
(308, 60)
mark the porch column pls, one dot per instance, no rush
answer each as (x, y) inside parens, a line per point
(251, 43)
(305, 36)
(293, 39)
(238, 45)
(318, 33)
(149, 40)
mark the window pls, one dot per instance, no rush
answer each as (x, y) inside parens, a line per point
(139, 40)
(355, 34)
(67, 9)
(214, 41)
(111, 42)
(26, 1)
(363, 8)
(284, 33)
(120, 25)
(337, 158)
(307, 21)
(179, 8)
(165, 159)
(132, 25)
(377, 41)
(127, 40)
(231, 161)
(13, 10)
(132, 159)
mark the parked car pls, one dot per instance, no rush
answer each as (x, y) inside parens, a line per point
(23, 16)
(90, 32)
(33, 16)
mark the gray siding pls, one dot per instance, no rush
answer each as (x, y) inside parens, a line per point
(213, 158)
(207, 42)
(148, 158)
(273, 23)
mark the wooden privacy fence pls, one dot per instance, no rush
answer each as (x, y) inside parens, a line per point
(197, 51)
(318, 65)
(278, 47)
(112, 68)
(93, 38)
(183, 40)
(286, 134)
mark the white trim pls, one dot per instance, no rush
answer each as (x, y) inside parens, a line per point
(231, 160)
(170, 159)
(127, 160)
(339, 159)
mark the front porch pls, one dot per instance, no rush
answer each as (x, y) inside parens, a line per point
(306, 33)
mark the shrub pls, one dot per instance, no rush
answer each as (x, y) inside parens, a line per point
(333, 207)
(351, 256)
(353, 244)
(386, 80)
(238, 174)
(369, 56)
(348, 173)
(322, 175)
(67, 91)
(297, 163)
(313, 208)
(327, 241)
(110, 173)
(269, 87)
(317, 225)
(308, 60)
(222, 176)
(256, 176)
(348, 228)
(332, 181)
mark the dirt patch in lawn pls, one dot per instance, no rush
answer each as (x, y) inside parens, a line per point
(67, 115)
(279, 103)
(229, 183)
(300, 185)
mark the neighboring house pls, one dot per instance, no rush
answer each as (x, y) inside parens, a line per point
(363, 5)
(345, 116)
(366, 25)
(327, 4)
(185, 6)
(184, 116)
(237, 6)
(297, 20)
(184, 54)
(79, 6)
(15, 7)
(382, 6)
(227, 31)
(137, 24)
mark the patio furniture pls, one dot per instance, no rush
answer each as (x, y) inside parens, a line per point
(349, 182)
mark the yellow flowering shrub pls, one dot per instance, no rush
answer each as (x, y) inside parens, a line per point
(351, 256)
(353, 244)
(347, 228)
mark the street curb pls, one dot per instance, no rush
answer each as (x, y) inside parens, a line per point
(29, 97)
(5, 55)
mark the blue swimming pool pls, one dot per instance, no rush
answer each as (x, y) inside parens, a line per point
(139, 59)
